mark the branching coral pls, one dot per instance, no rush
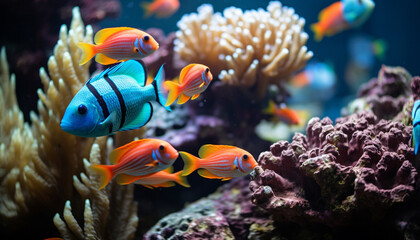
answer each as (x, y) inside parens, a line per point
(39, 165)
(249, 49)
(337, 175)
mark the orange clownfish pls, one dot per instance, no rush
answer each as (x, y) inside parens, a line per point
(118, 44)
(135, 160)
(342, 15)
(219, 162)
(193, 80)
(285, 114)
(164, 178)
(162, 8)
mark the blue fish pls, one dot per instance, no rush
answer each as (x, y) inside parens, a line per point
(115, 100)
(415, 138)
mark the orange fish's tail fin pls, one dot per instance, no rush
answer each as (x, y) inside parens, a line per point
(173, 89)
(146, 9)
(271, 108)
(105, 171)
(319, 33)
(181, 180)
(88, 51)
(191, 163)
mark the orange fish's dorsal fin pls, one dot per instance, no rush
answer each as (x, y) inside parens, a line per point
(184, 71)
(115, 155)
(104, 60)
(105, 33)
(207, 174)
(169, 169)
(210, 149)
(330, 11)
(195, 96)
(182, 98)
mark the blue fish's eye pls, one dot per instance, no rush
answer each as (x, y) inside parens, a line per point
(245, 157)
(82, 109)
(146, 38)
(161, 147)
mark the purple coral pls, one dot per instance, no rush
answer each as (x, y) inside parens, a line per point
(337, 174)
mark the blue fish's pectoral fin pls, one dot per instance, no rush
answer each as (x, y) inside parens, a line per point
(183, 98)
(142, 119)
(195, 96)
(161, 92)
(109, 121)
(207, 174)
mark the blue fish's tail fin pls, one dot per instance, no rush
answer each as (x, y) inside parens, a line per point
(160, 90)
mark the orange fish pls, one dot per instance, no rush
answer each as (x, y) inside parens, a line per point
(285, 114)
(219, 161)
(162, 8)
(118, 44)
(136, 160)
(340, 16)
(193, 80)
(164, 178)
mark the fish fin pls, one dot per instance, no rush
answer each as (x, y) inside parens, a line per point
(124, 179)
(184, 72)
(115, 155)
(146, 9)
(226, 178)
(105, 33)
(148, 186)
(109, 121)
(317, 29)
(105, 60)
(152, 164)
(142, 119)
(210, 149)
(183, 98)
(130, 68)
(105, 172)
(207, 174)
(161, 91)
(271, 108)
(181, 180)
(164, 184)
(170, 169)
(195, 96)
(173, 89)
(88, 51)
(191, 163)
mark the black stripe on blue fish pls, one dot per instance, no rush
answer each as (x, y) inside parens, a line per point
(120, 99)
(417, 123)
(151, 113)
(156, 90)
(99, 98)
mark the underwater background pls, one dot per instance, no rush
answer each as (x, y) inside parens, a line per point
(31, 30)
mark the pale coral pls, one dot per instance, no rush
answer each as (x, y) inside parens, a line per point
(40, 165)
(254, 48)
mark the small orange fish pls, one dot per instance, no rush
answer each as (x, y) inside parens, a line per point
(162, 8)
(164, 178)
(136, 160)
(285, 114)
(193, 80)
(219, 161)
(340, 16)
(118, 44)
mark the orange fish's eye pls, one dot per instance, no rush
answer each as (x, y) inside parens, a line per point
(146, 38)
(137, 50)
(161, 148)
(207, 70)
(245, 157)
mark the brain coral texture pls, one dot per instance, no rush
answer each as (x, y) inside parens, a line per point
(358, 169)
(254, 48)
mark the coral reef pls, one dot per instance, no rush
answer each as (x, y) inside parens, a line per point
(254, 48)
(39, 165)
(385, 95)
(337, 175)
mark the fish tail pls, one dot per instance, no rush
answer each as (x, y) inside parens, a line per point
(161, 92)
(191, 163)
(270, 108)
(105, 171)
(146, 8)
(173, 89)
(181, 180)
(317, 29)
(88, 51)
